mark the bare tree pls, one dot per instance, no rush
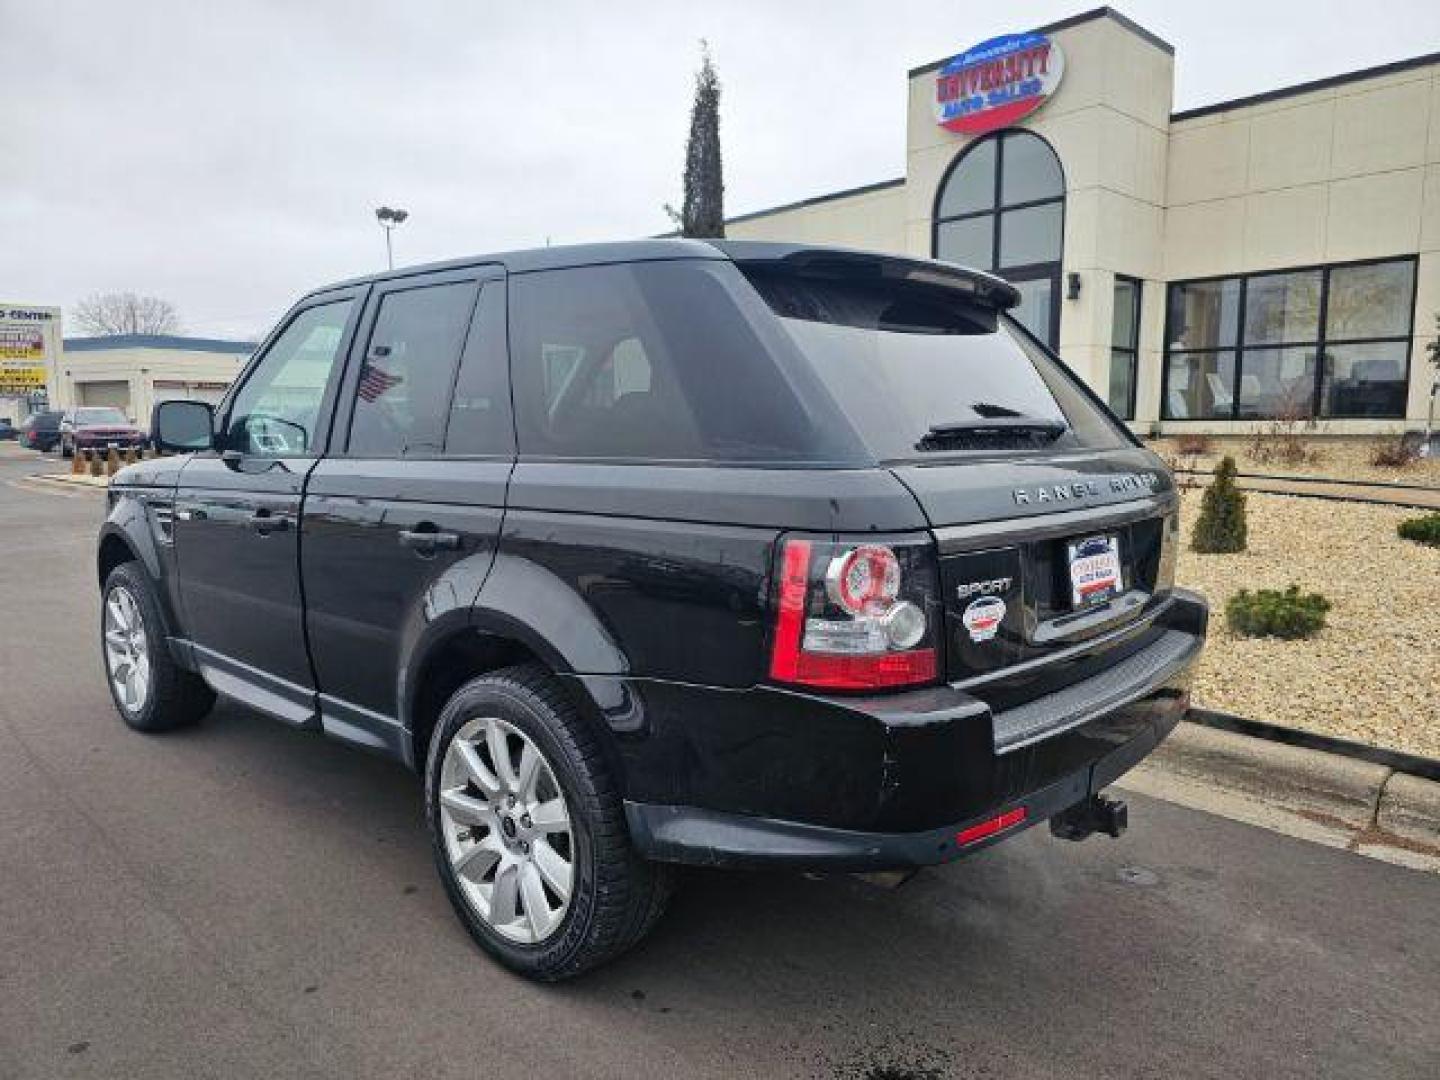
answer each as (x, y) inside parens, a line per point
(125, 313)
(702, 214)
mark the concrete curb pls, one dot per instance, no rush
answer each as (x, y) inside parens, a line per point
(1410, 809)
(1337, 787)
(1359, 805)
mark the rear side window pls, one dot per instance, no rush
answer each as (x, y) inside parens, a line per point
(402, 399)
(671, 360)
(918, 371)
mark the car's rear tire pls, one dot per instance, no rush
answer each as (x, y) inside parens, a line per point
(151, 692)
(559, 889)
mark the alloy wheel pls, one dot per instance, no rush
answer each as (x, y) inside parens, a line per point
(127, 652)
(507, 830)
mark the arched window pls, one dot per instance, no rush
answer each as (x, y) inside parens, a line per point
(1001, 207)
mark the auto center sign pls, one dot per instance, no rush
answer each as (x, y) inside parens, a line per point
(29, 343)
(997, 83)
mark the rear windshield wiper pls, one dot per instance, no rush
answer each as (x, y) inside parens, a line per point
(982, 428)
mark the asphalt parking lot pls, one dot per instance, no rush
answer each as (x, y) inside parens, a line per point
(244, 900)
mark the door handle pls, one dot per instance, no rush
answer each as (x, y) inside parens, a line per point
(428, 541)
(264, 522)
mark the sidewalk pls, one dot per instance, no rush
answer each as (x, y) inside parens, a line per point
(1361, 806)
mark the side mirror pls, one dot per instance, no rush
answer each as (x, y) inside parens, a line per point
(183, 427)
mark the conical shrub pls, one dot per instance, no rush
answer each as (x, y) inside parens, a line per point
(1220, 528)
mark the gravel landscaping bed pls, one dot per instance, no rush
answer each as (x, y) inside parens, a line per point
(1373, 674)
(1338, 458)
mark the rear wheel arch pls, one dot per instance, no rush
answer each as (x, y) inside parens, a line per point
(469, 653)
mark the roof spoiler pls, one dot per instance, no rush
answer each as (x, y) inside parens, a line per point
(844, 264)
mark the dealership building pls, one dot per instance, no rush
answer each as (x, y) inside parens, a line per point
(131, 372)
(1271, 256)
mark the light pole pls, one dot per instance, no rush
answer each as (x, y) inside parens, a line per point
(388, 219)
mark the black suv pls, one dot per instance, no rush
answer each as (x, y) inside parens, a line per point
(730, 554)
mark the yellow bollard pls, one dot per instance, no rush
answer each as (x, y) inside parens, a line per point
(94, 462)
(112, 461)
(128, 458)
(77, 464)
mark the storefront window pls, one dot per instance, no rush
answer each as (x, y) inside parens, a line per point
(1001, 208)
(1124, 347)
(1328, 342)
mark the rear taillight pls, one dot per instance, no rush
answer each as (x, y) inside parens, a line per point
(856, 616)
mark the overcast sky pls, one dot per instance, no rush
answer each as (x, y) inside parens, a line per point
(229, 156)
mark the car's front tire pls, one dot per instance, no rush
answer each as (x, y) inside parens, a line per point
(528, 831)
(151, 692)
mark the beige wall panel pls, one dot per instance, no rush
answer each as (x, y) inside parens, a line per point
(1374, 215)
(922, 132)
(1204, 238)
(1377, 130)
(1285, 227)
(875, 220)
(1082, 229)
(1432, 153)
(1139, 78)
(1129, 235)
(1430, 210)
(1289, 147)
(1208, 163)
(1076, 137)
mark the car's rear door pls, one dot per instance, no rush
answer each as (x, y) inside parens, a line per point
(401, 520)
(237, 513)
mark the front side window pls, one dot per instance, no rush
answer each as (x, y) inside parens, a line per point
(402, 398)
(274, 414)
(1327, 342)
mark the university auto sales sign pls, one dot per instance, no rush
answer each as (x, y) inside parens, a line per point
(997, 83)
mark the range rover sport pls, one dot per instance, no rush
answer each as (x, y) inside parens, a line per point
(731, 554)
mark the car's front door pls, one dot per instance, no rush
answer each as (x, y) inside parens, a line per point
(401, 517)
(237, 514)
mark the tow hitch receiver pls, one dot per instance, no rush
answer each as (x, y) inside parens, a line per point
(1098, 813)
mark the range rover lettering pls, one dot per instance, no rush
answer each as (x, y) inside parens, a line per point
(667, 552)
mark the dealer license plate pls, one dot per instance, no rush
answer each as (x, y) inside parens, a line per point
(1094, 570)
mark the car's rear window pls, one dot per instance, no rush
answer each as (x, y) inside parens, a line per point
(920, 371)
(663, 361)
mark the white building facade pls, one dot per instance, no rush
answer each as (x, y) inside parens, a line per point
(1205, 270)
(132, 372)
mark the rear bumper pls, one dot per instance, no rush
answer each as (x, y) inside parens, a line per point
(767, 777)
(709, 838)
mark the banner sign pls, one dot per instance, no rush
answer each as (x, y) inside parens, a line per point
(24, 349)
(997, 83)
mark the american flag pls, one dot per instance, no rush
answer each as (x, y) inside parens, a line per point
(374, 382)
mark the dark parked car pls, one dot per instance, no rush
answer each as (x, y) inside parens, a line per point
(41, 431)
(98, 428)
(7, 429)
(667, 552)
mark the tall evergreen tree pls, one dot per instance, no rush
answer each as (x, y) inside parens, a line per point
(703, 212)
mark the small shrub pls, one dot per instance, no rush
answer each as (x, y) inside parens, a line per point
(1279, 441)
(1220, 529)
(1270, 613)
(1192, 445)
(1422, 530)
(1394, 453)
